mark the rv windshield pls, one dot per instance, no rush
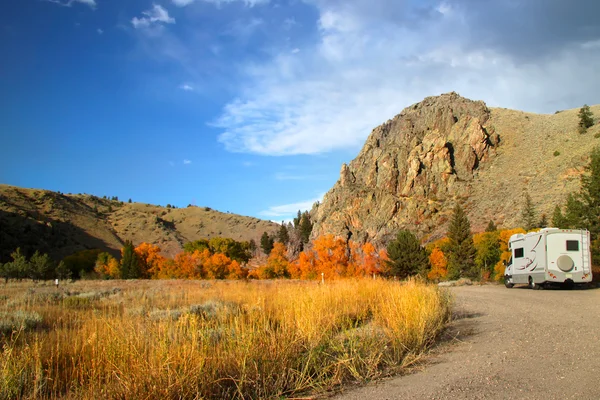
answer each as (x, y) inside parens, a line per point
(509, 262)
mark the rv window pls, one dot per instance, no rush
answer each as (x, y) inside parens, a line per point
(519, 253)
(572, 245)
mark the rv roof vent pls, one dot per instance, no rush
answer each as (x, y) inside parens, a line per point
(549, 229)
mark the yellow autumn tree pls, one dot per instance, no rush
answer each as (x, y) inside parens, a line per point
(504, 237)
(277, 265)
(107, 266)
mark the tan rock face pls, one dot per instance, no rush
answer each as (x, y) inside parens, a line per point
(410, 168)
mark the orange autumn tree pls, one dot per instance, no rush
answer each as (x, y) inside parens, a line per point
(365, 260)
(149, 259)
(304, 267)
(184, 266)
(277, 265)
(216, 265)
(330, 256)
(438, 260)
(236, 271)
(439, 265)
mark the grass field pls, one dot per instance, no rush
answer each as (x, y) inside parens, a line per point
(206, 339)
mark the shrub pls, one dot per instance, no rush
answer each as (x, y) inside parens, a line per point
(16, 320)
(586, 119)
(556, 153)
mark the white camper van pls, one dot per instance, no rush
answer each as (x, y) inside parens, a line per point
(551, 255)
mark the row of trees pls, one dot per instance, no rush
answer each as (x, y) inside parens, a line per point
(217, 258)
(38, 267)
(294, 236)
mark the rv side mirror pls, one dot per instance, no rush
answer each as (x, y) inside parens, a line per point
(504, 262)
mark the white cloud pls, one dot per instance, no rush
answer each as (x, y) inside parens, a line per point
(218, 3)
(248, 3)
(295, 51)
(182, 3)
(156, 15)
(186, 87)
(69, 3)
(366, 67)
(288, 210)
(243, 29)
(187, 162)
(100, 31)
(248, 164)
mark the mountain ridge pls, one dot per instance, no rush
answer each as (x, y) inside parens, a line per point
(62, 224)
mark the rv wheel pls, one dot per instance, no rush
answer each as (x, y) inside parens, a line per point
(532, 284)
(508, 283)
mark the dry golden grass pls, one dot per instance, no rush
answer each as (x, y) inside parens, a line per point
(195, 339)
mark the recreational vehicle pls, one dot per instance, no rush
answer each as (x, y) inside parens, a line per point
(549, 256)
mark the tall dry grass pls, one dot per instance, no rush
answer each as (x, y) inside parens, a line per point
(187, 339)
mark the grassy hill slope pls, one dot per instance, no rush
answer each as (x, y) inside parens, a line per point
(61, 224)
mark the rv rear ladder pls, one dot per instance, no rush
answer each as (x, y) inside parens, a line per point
(585, 252)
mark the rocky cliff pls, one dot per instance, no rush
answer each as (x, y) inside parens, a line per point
(415, 167)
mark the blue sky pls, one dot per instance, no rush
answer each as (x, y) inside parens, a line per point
(251, 106)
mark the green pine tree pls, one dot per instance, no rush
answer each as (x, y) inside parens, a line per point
(543, 221)
(283, 236)
(297, 220)
(266, 243)
(529, 219)
(488, 252)
(306, 227)
(40, 266)
(558, 219)
(586, 119)
(461, 250)
(590, 194)
(62, 272)
(406, 256)
(574, 212)
(130, 268)
(491, 227)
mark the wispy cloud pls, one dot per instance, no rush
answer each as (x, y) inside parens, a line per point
(100, 31)
(182, 3)
(218, 3)
(372, 58)
(156, 15)
(186, 87)
(187, 162)
(243, 29)
(248, 164)
(69, 3)
(289, 210)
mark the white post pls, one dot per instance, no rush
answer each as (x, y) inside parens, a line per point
(323, 278)
(56, 282)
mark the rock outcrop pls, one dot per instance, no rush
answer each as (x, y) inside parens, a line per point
(414, 168)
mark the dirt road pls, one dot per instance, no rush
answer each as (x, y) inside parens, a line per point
(513, 344)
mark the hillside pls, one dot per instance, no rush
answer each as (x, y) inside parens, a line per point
(61, 224)
(447, 149)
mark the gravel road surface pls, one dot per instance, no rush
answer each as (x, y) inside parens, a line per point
(511, 344)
